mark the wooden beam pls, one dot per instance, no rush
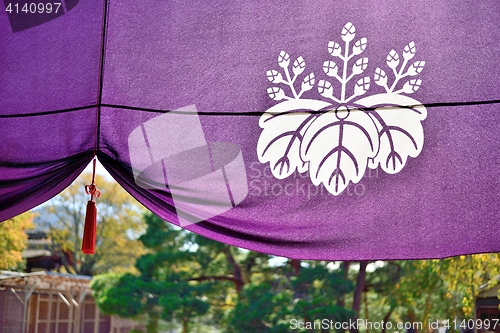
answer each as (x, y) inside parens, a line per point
(58, 312)
(96, 318)
(70, 314)
(37, 312)
(49, 314)
(16, 295)
(81, 299)
(61, 296)
(28, 290)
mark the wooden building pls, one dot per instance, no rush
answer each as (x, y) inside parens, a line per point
(488, 305)
(42, 302)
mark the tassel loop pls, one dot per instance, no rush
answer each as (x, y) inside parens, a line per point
(89, 231)
(93, 191)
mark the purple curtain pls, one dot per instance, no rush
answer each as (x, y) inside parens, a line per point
(325, 130)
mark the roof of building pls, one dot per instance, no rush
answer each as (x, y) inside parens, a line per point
(44, 281)
(35, 253)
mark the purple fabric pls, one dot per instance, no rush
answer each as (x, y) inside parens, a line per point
(212, 62)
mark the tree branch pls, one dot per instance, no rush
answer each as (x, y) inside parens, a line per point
(229, 278)
(238, 276)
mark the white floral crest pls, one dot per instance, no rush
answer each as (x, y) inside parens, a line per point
(337, 137)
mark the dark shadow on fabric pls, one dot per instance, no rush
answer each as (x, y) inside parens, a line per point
(25, 14)
(161, 203)
(46, 180)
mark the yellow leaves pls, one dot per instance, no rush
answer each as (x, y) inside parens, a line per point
(10, 259)
(119, 224)
(318, 284)
(231, 299)
(190, 268)
(467, 310)
(257, 278)
(13, 240)
(60, 237)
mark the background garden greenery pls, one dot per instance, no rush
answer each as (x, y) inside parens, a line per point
(148, 269)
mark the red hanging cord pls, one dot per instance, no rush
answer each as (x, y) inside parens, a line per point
(89, 231)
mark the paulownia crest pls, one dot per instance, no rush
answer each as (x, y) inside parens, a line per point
(338, 137)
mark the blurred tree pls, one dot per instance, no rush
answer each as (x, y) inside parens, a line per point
(163, 289)
(186, 276)
(465, 275)
(260, 310)
(422, 292)
(119, 224)
(318, 292)
(419, 290)
(13, 240)
(305, 292)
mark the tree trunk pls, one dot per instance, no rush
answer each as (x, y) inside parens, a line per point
(366, 309)
(238, 276)
(77, 218)
(185, 323)
(386, 318)
(411, 316)
(87, 266)
(358, 292)
(309, 330)
(67, 260)
(295, 265)
(345, 276)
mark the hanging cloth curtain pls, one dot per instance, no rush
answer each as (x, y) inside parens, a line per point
(312, 130)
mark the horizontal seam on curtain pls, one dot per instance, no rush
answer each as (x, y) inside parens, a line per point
(46, 113)
(221, 113)
(259, 113)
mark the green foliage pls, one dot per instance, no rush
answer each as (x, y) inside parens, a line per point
(420, 290)
(183, 300)
(260, 310)
(119, 294)
(185, 276)
(313, 293)
(163, 289)
(316, 292)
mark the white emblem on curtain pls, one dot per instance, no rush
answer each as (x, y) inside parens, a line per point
(338, 137)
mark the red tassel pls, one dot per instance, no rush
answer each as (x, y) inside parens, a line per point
(88, 242)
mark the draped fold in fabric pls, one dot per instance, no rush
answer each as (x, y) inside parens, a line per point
(325, 130)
